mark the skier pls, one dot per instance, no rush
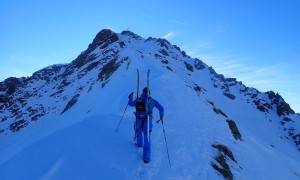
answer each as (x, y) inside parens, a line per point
(141, 126)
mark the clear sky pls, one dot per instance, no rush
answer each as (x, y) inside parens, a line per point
(255, 41)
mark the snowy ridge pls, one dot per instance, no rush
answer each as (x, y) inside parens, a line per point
(59, 123)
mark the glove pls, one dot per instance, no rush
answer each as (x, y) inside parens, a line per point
(161, 119)
(130, 95)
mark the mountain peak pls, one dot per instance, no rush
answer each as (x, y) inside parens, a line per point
(104, 38)
(131, 34)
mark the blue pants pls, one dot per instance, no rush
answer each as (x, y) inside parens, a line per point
(141, 137)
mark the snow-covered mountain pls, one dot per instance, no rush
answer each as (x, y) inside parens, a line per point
(60, 122)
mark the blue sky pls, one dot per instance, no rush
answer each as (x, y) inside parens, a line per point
(258, 42)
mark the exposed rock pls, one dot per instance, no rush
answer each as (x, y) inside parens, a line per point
(230, 96)
(234, 129)
(107, 71)
(168, 68)
(212, 71)
(71, 103)
(231, 80)
(271, 94)
(197, 88)
(224, 150)
(164, 52)
(184, 54)
(122, 44)
(92, 66)
(64, 84)
(10, 85)
(16, 126)
(261, 106)
(104, 38)
(222, 166)
(57, 93)
(164, 61)
(150, 39)
(219, 111)
(176, 47)
(282, 107)
(286, 120)
(3, 99)
(296, 138)
(199, 65)
(46, 73)
(254, 96)
(36, 112)
(188, 66)
(163, 43)
(210, 102)
(131, 34)
(158, 56)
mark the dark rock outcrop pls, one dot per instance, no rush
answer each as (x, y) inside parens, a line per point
(220, 163)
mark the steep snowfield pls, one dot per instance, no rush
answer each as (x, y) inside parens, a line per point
(82, 142)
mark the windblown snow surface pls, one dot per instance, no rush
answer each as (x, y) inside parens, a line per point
(82, 142)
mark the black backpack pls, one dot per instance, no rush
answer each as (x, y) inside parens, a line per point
(140, 108)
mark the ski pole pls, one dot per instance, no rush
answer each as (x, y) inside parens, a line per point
(165, 139)
(121, 118)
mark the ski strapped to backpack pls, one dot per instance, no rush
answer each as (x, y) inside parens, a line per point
(147, 106)
(137, 95)
(142, 107)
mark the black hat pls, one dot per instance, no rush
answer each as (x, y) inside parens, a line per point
(145, 90)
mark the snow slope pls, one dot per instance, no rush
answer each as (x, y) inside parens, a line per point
(80, 106)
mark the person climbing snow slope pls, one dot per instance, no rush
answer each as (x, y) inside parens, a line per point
(143, 117)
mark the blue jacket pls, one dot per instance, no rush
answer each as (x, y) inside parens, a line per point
(152, 103)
